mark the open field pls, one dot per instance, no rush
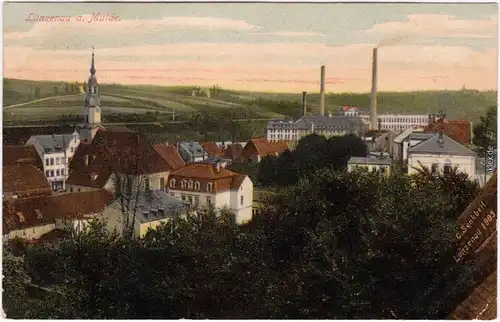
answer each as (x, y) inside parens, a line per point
(122, 99)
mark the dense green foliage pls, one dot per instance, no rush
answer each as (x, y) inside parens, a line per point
(485, 132)
(313, 152)
(336, 245)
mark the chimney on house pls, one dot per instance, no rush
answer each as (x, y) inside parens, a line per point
(373, 98)
(322, 91)
(304, 103)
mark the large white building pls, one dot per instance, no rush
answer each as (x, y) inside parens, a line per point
(56, 152)
(393, 122)
(284, 130)
(203, 184)
(441, 153)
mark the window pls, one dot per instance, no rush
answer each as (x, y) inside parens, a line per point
(382, 169)
(172, 183)
(57, 172)
(209, 187)
(196, 200)
(47, 173)
(197, 185)
(62, 172)
(162, 184)
(47, 161)
(146, 184)
(51, 173)
(209, 200)
(51, 161)
(70, 189)
(434, 168)
(183, 184)
(79, 189)
(241, 200)
(183, 197)
(58, 161)
(190, 185)
(190, 198)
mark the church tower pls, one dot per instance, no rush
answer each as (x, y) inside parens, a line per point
(92, 108)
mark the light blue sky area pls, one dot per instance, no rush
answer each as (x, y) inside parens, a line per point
(342, 23)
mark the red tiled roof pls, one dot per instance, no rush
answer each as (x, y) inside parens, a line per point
(237, 181)
(202, 171)
(459, 130)
(205, 174)
(42, 210)
(21, 154)
(212, 149)
(22, 179)
(234, 152)
(122, 152)
(266, 148)
(170, 154)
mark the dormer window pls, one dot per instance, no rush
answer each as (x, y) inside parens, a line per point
(209, 187)
(183, 184)
(93, 176)
(172, 183)
(190, 184)
(197, 185)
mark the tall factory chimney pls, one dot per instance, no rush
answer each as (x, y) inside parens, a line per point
(373, 102)
(322, 92)
(304, 103)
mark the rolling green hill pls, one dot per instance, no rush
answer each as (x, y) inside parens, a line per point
(49, 100)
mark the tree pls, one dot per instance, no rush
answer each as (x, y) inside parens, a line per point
(67, 88)
(37, 92)
(485, 133)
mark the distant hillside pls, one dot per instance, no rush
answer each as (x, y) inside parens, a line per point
(140, 99)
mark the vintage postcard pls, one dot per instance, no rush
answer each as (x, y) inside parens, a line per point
(249, 160)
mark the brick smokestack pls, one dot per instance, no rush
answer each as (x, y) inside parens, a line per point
(373, 102)
(322, 92)
(304, 103)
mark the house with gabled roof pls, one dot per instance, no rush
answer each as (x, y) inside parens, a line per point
(192, 151)
(24, 180)
(56, 152)
(21, 154)
(147, 211)
(212, 149)
(441, 153)
(458, 130)
(258, 148)
(31, 218)
(122, 162)
(202, 184)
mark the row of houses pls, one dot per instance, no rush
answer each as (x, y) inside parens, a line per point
(440, 145)
(122, 163)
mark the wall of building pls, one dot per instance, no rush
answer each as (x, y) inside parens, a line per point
(466, 164)
(142, 228)
(370, 167)
(30, 233)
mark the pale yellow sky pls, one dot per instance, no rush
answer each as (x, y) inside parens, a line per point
(245, 47)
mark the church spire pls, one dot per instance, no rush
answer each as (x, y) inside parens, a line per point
(92, 67)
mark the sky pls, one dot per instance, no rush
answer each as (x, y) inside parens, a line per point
(274, 47)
